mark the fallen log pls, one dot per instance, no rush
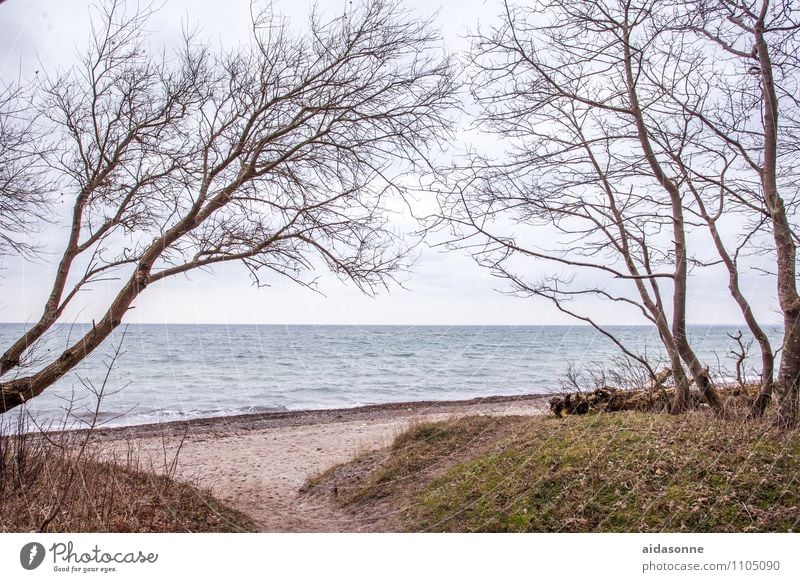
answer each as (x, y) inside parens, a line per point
(660, 378)
(654, 398)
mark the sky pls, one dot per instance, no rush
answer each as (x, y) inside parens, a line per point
(444, 288)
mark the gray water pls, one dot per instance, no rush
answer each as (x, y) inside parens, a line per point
(172, 372)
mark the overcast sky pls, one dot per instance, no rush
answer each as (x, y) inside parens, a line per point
(443, 289)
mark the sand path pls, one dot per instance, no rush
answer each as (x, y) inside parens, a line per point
(258, 464)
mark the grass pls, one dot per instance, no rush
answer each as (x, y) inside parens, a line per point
(56, 483)
(618, 472)
(416, 453)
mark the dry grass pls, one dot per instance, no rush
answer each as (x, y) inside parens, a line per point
(55, 482)
(373, 482)
(605, 472)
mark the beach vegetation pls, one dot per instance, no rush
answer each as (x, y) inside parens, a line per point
(61, 481)
(621, 472)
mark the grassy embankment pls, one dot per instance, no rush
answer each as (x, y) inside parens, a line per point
(605, 472)
(57, 483)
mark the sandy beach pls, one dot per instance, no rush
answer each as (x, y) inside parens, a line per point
(257, 463)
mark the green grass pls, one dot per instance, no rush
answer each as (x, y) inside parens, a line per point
(608, 472)
(421, 451)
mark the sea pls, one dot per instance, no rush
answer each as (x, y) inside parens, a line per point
(165, 372)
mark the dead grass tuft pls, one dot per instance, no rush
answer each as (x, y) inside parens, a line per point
(54, 482)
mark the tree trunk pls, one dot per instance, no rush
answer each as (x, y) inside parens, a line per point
(789, 375)
(767, 357)
(20, 390)
(681, 401)
(782, 233)
(699, 373)
(762, 400)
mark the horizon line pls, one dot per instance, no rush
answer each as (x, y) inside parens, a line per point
(742, 324)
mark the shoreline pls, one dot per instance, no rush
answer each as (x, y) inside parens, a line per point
(258, 463)
(308, 417)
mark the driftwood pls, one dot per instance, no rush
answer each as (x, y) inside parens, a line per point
(608, 399)
(654, 398)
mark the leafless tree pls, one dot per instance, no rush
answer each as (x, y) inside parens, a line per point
(283, 154)
(564, 81)
(610, 110)
(744, 109)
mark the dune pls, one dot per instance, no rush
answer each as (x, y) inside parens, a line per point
(257, 463)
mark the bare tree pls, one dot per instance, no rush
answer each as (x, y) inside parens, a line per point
(745, 110)
(566, 81)
(634, 124)
(283, 155)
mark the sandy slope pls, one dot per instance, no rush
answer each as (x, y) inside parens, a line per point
(257, 463)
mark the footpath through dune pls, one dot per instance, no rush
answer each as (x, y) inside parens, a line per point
(258, 463)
